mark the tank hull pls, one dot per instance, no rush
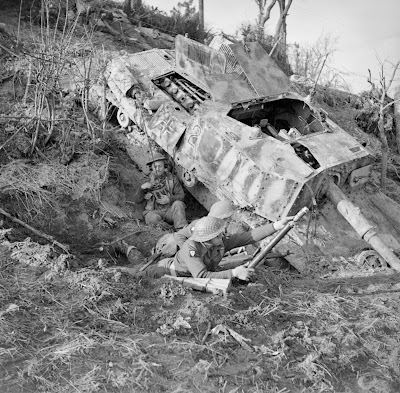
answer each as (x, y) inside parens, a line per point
(234, 131)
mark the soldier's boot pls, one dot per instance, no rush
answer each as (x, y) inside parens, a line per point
(131, 252)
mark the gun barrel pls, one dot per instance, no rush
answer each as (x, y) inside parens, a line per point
(354, 217)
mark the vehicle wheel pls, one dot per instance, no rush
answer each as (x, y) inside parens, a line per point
(189, 179)
(123, 119)
(370, 259)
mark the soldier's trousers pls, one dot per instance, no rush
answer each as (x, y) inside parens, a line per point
(175, 215)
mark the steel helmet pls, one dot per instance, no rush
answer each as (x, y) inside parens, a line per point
(222, 210)
(156, 157)
(207, 228)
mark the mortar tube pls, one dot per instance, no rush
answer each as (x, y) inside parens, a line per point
(360, 224)
(277, 238)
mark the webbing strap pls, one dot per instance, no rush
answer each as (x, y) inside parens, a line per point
(172, 269)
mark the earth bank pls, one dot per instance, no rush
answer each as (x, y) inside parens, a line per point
(77, 321)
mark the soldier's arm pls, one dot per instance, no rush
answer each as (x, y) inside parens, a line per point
(139, 196)
(255, 235)
(182, 235)
(268, 229)
(140, 193)
(189, 255)
(262, 232)
(178, 194)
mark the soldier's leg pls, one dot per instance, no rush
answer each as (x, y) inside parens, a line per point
(153, 217)
(176, 215)
(133, 255)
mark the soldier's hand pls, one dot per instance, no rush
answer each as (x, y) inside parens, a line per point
(164, 200)
(145, 186)
(243, 273)
(281, 223)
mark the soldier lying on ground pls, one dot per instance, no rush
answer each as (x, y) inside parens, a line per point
(164, 195)
(170, 243)
(203, 251)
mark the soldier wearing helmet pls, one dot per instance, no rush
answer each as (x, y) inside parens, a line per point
(164, 195)
(170, 243)
(223, 210)
(203, 251)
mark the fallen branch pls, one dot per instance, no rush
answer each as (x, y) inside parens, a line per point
(238, 337)
(206, 334)
(35, 231)
(111, 30)
(12, 136)
(8, 50)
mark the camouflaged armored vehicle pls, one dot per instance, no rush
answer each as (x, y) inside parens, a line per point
(234, 130)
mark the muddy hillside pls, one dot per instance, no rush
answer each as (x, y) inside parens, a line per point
(320, 313)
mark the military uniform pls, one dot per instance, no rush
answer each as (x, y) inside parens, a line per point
(169, 245)
(194, 259)
(184, 234)
(174, 212)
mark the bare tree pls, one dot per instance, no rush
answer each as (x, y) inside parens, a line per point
(397, 116)
(383, 106)
(313, 61)
(280, 30)
(264, 14)
(201, 18)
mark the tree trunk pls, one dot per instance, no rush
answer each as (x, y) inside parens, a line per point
(397, 116)
(280, 32)
(381, 125)
(201, 16)
(385, 149)
(260, 21)
(127, 7)
(263, 16)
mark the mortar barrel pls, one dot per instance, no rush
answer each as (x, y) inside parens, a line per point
(355, 218)
(277, 238)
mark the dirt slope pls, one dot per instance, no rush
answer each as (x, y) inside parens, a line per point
(78, 322)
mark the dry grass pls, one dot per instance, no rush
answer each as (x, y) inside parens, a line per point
(70, 331)
(47, 327)
(39, 186)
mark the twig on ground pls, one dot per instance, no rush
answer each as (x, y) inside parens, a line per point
(206, 334)
(11, 137)
(35, 231)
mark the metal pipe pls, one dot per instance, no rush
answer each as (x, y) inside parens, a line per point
(199, 96)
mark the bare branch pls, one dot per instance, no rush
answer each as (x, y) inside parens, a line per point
(268, 11)
(35, 231)
(282, 16)
(390, 104)
(395, 68)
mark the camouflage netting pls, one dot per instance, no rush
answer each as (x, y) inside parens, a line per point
(44, 183)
